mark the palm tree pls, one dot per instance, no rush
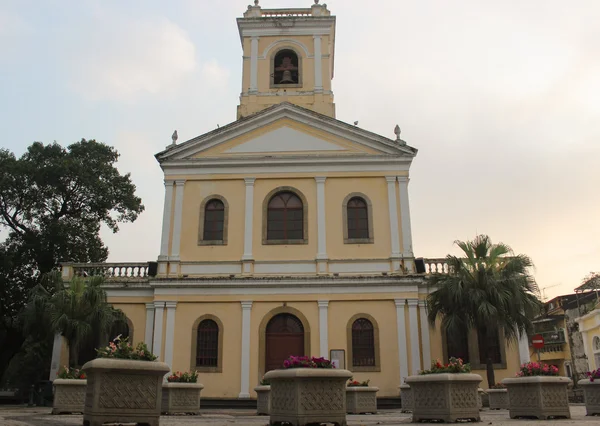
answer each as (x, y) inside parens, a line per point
(488, 289)
(78, 311)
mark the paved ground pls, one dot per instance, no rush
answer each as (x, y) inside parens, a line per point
(23, 416)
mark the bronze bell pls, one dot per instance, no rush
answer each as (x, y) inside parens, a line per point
(287, 77)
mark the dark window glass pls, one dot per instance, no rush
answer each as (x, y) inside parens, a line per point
(493, 346)
(358, 221)
(207, 348)
(214, 217)
(363, 343)
(285, 217)
(458, 345)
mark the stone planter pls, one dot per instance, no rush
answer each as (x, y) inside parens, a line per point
(446, 397)
(406, 398)
(69, 396)
(263, 399)
(498, 399)
(181, 398)
(591, 392)
(123, 391)
(538, 396)
(303, 396)
(361, 399)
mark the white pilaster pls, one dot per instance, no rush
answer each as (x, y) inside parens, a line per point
(159, 308)
(413, 325)
(393, 213)
(166, 225)
(318, 64)
(524, 348)
(407, 249)
(149, 325)
(321, 230)
(179, 185)
(253, 65)
(248, 218)
(425, 334)
(589, 355)
(402, 345)
(323, 328)
(56, 350)
(245, 378)
(170, 335)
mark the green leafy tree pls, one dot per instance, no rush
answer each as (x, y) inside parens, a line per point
(53, 201)
(79, 311)
(489, 289)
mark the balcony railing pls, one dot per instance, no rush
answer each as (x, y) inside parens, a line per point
(117, 270)
(556, 337)
(436, 265)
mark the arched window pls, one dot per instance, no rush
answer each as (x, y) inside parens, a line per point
(213, 221)
(207, 344)
(363, 343)
(286, 68)
(358, 218)
(285, 217)
(596, 344)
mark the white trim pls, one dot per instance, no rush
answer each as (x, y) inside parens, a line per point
(179, 186)
(359, 267)
(245, 353)
(265, 32)
(284, 41)
(219, 268)
(321, 228)
(425, 334)
(393, 214)
(402, 342)
(56, 350)
(284, 268)
(158, 329)
(274, 290)
(582, 319)
(414, 335)
(586, 350)
(323, 328)
(127, 292)
(166, 224)
(253, 65)
(524, 348)
(407, 249)
(318, 60)
(149, 332)
(170, 335)
(248, 218)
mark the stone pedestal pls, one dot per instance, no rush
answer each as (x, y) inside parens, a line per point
(304, 396)
(406, 398)
(361, 399)
(182, 398)
(69, 396)
(538, 396)
(591, 394)
(445, 397)
(263, 399)
(498, 399)
(123, 391)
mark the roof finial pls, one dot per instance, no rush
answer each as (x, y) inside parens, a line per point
(174, 137)
(316, 1)
(397, 132)
(255, 2)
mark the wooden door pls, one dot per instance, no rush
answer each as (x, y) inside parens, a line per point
(284, 337)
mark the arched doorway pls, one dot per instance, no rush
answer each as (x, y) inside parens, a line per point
(284, 336)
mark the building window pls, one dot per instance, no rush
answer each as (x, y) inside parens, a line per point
(493, 345)
(286, 69)
(357, 213)
(207, 344)
(458, 345)
(214, 212)
(285, 219)
(596, 344)
(363, 343)
(468, 346)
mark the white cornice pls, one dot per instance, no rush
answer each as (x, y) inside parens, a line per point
(249, 27)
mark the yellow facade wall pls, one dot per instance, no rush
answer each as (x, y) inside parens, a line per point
(136, 313)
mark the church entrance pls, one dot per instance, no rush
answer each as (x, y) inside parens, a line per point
(284, 337)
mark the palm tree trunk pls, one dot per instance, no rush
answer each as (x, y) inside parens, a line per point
(489, 365)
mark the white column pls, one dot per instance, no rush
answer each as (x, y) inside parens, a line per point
(323, 328)
(159, 308)
(170, 335)
(393, 213)
(524, 348)
(179, 184)
(402, 346)
(56, 350)
(321, 231)
(245, 379)
(413, 326)
(149, 325)
(248, 218)
(253, 65)
(166, 225)
(425, 334)
(407, 249)
(318, 63)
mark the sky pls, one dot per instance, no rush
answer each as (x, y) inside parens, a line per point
(502, 99)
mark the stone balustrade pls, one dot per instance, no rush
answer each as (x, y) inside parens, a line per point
(436, 265)
(117, 270)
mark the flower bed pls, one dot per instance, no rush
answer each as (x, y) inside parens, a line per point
(69, 391)
(124, 385)
(538, 391)
(591, 392)
(446, 392)
(307, 391)
(181, 393)
(263, 399)
(360, 397)
(498, 397)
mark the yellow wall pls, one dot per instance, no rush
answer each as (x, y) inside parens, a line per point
(136, 313)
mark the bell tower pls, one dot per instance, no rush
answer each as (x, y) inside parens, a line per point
(288, 57)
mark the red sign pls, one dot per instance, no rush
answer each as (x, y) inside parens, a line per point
(538, 341)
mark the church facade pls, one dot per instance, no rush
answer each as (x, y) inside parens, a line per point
(287, 232)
